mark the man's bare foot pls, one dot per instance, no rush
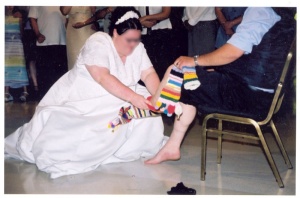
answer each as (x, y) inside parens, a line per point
(164, 155)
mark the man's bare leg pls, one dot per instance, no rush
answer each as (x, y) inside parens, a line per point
(161, 86)
(171, 150)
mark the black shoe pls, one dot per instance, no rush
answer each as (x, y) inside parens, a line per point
(180, 189)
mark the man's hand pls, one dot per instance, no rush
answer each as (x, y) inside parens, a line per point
(184, 61)
(78, 25)
(187, 25)
(41, 38)
(17, 15)
(147, 23)
(228, 28)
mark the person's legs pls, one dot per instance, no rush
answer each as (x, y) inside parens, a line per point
(51, 65)
(203, 38)
(6, 89)
(170, 93)
(59, 63)
(171, 150)
(206, 37)
(32, 69)
(163, 48)
(24, 94)
(206, 93)
(42, 69)
(161, 86)
(30, 52)
(7, 96)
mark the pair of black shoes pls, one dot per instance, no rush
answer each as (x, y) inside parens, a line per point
(180, 189)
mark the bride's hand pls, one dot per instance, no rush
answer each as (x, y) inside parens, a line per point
(140, 102)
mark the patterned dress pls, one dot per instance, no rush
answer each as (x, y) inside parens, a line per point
(15, 67)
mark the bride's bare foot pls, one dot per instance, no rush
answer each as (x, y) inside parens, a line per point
(164, 155)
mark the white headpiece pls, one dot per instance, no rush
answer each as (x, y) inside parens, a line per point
(126, 16)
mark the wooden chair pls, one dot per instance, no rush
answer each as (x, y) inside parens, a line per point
(248, 120)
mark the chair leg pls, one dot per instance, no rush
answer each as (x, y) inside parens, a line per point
(219, 151)
(203, 149)
(280, 144)
(269, 156)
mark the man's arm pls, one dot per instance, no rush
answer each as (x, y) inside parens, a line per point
(256, 22)
(222, 56)
(100, 14)
(40, 37)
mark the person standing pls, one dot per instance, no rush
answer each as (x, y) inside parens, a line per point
(180, 33)
(30, 52)
(156, 36)
(49, 27)
(99, 21)
(15, 67)
(229, 18)
(202, 29)
(76, 37)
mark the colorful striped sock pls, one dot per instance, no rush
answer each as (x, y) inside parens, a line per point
(170, 94)
(134, 112)
(119, 120)
(190, 78)
(127, 114)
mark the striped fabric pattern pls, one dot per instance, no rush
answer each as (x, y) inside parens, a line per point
(190, 78)
(134, 112)
(170, 94)
(127, 114)
(15, 68)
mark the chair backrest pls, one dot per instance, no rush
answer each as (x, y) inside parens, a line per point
(279, 93)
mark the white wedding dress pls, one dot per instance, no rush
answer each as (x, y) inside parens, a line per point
(69, 134)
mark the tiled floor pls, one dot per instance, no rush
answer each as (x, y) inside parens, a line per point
(244, 169)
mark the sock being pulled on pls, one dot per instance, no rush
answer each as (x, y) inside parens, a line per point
(171, 92)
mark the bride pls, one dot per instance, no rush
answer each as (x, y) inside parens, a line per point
(69, 133)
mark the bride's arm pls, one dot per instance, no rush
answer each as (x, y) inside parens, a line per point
(151, 80)
(110, 83)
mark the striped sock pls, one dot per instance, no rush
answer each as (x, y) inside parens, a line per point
(115, 123)
(190, 78)
(127, 114)
(134, 112)
(170, 94)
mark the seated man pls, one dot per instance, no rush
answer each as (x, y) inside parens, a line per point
(245, 72)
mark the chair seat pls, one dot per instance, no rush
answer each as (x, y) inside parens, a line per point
(204, 110)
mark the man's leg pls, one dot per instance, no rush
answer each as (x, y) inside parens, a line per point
(207, 94)
(171, 150)
(161, 86)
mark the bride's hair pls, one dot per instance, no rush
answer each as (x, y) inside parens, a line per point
(125, 23)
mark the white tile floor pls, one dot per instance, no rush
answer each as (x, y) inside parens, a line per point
(244, 169)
